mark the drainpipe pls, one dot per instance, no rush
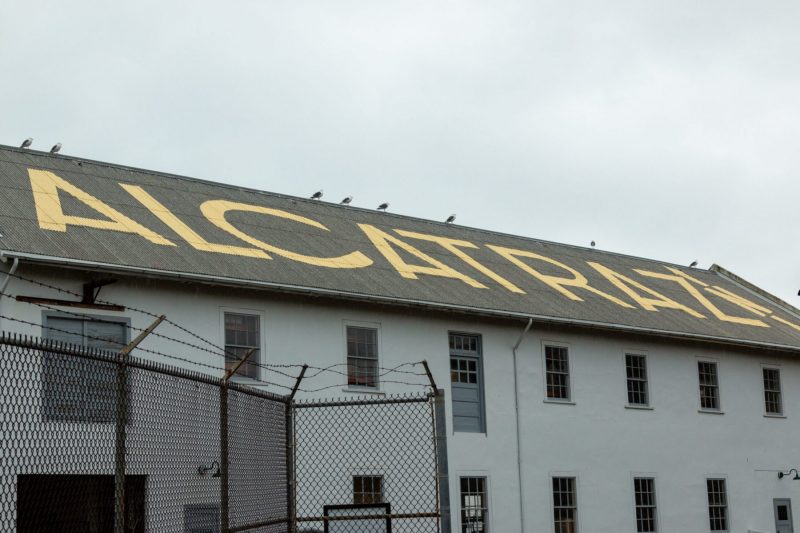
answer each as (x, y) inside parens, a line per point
(516, 413)
(5, 281)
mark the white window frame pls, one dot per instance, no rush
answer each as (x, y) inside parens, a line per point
(570, 400)
(719, 410)
(558, 474)
(650, 475)
(262, 340)
(457, 493)
(728, 515)
(782, 390)
(371, 474)
(646, 356)
(362, 389)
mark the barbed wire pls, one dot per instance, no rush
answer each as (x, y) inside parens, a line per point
(222, 353)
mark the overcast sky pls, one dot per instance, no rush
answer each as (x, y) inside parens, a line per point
(663, 129)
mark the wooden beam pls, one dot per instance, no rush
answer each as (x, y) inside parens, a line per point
(69, 303)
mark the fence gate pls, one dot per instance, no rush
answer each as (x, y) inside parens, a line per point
(367, 466)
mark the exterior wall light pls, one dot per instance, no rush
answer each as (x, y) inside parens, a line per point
(204, 470)
(796, 477)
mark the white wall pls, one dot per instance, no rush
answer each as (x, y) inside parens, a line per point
(597, 439)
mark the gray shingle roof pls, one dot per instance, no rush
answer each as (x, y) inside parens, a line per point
(526, 282)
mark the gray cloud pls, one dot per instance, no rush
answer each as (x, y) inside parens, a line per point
(661, 129)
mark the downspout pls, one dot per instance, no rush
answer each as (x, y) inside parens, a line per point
(11, 272)
(516, 414)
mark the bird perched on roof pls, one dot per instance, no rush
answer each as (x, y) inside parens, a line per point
(592, 243)
(384, 206)
(317, 195)
(450, 219)
(346, 201)
(55, 149)
(27, 142)
(694, 264)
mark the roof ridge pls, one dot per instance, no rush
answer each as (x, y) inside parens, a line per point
(755, 289)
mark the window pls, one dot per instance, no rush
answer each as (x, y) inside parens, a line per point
(772, 391)
(717, 505)
(474, 505)
(362, 356)
(77, 389)
(466, 381)
(644, 489)
(242, 334)
(557, 372)
(367, 489)
(636, 371)
(565, 508)
(201, 518)
(709, 385)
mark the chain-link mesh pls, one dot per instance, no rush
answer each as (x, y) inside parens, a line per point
(89, 444)
(366, 466)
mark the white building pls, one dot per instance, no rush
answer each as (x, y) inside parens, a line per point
(584, 388)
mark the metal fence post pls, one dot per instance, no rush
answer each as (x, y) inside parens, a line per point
(122, 425)
(223, 457)
(291, 482)
(442, 472)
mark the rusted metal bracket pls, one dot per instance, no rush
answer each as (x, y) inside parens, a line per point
(297, 383)
(430, 377)
(92, 289)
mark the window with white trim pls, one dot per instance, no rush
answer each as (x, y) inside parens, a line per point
(717, 504)
(367, 489)
(565, 505)
(243, 334)
(474, 505)
(362, 356)
(709, 385)
(466, 381)
(773, 403)
(644, 489)
(557, 372)
(636, 373)
(76, 389)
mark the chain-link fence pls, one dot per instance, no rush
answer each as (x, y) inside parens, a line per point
(94, 441)
(367, 466)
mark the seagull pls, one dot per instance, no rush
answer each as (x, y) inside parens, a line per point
(450, 219)
(27, 142)
(592, 243)
(346, 201)
(56, 147)
(694, 264)
(384, 206)
(317, 195)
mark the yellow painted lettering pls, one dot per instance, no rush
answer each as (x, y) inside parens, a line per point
(784, 321)
(561, 284)
(454, 247)
(627, 285)
(46, 185)
(685, 281)
(185, 232)
(215, 210)
(383, 243)
(735, 299)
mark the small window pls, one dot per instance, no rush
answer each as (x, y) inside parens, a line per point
(717, 505)
(474, 505)
(242, 334)
(772, 391)
(636, 371)
(201, 518)
(645, 494)
(362, 357)
(557, 371)
(565, 505)
(709, 385)
(367, 489)
(77, 389)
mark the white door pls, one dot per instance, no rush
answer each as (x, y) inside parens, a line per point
(783, 516)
